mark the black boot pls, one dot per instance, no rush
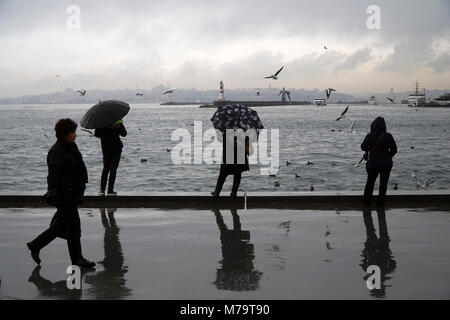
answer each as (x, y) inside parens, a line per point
(83, 263)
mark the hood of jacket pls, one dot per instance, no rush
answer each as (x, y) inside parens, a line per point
(378, 126)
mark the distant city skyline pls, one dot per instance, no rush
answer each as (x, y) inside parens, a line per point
(51, 45)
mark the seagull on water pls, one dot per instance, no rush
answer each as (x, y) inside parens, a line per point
(288, 163)
(82, 93)
(274, 76)
(427, 183)
(311, 188)
(276, 183)
(309, 163)
(343, 114)
(329, 91)
(169, 91)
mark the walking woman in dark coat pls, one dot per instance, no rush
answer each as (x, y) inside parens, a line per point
(66, 180)
(381, 148)
(112, 150)
(234, 168)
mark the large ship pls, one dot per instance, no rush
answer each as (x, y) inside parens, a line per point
(416, 98)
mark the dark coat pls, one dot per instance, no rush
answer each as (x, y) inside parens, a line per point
(234, 167)
(67, 174)
(384, 151)
(110, 138)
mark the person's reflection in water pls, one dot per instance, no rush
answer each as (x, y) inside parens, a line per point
(237, 271)
(58, 289)
(376, 250)
(110, 283)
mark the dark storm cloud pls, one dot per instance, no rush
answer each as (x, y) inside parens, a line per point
(124, 42)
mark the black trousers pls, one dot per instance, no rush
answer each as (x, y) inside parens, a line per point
(110, 165)
(65, 224)
(223, 174)
(372, 174)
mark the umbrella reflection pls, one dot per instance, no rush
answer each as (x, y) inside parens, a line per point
(58, 289)
(376, 250)
(110, 283)
(236, 271)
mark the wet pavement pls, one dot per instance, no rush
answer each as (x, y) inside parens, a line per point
(232, 254)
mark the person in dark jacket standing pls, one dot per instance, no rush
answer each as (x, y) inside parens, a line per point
(112, 150)
(234, 168)
(66, 180)
(381, 148)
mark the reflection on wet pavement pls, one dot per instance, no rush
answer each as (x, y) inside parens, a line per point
(237, 269)
(109, 283)
(376, 250)
(233, 254)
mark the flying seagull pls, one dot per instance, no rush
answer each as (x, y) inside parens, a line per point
(82, 93)
(91, 134)
(343, 114)
(274, 76)
(258, 93)
(325, 47)
(352, 127)
(139, 94)
(169, 91)
(391, 100)
(329, 91)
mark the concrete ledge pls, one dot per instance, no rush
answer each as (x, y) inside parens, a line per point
(327, 200)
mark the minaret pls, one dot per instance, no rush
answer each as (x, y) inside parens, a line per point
(221, 92)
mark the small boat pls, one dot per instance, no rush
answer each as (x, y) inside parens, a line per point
(442, 102)
(319, 102)
(373, 101)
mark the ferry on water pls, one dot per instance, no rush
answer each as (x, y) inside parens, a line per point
(417, 99)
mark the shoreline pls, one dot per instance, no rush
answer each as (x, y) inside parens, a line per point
(323, 200)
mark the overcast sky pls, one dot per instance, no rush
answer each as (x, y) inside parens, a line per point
(195, 44)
